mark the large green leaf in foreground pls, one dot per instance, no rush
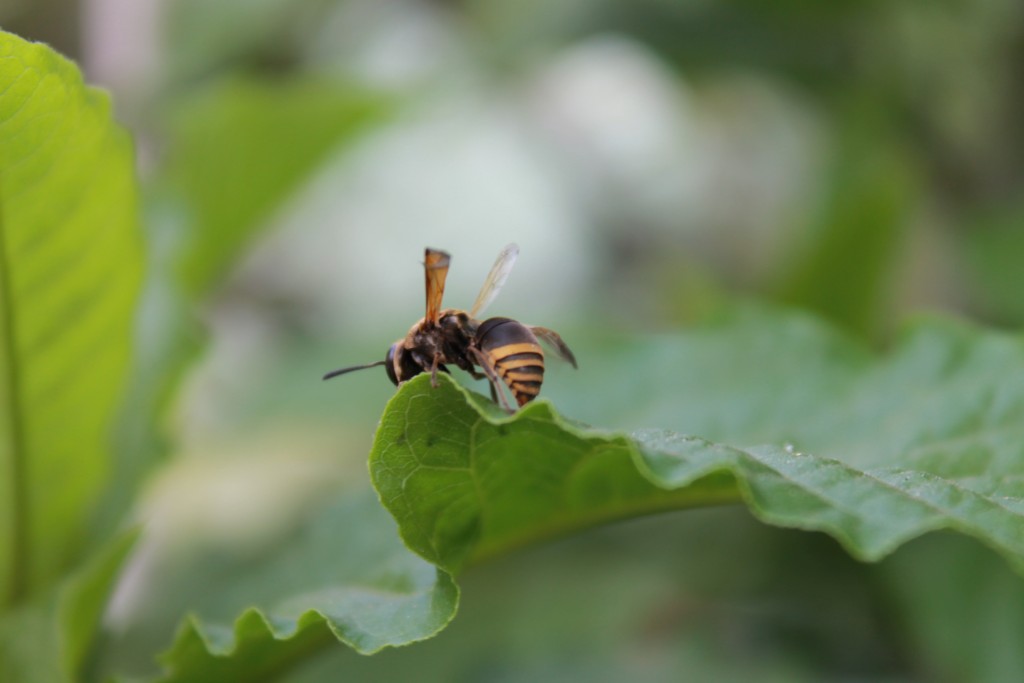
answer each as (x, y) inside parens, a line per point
(872, 450)
(70, 260)
(929, 437)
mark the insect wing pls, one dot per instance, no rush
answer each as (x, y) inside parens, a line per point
(435, 267)
(495, 279)
(552, 339)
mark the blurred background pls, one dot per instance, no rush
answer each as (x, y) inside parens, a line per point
(655, 160)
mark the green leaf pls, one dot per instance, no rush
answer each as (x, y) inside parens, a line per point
(83, 600)
(241, 147)
(64, 619)
(70, 262)
(929, 437)
(346, 576)
(28, 642)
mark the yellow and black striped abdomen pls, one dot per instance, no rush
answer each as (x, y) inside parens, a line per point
(514, 354)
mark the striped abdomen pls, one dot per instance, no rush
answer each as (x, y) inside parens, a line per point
(514, 354)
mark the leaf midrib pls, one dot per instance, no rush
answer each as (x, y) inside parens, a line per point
(18, 503)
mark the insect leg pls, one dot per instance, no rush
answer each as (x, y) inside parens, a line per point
(492, 376)
(433, 370)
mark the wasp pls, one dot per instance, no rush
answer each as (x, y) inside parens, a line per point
(507, 352)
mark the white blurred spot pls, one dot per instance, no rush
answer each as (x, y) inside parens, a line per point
(391, 43)
(460, 175)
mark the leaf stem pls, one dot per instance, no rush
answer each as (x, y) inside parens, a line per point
(18, 512)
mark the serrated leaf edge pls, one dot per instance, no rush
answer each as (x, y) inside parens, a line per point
(542, 409)
(282, 629)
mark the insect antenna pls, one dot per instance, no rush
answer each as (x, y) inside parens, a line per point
(342, 371)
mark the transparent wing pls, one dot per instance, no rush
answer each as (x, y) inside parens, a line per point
(435, 267)
(495, 279)
(552, 339)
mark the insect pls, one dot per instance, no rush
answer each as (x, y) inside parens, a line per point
(506, 350)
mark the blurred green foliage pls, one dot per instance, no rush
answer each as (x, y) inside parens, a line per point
(861, 160)
(239, 148)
